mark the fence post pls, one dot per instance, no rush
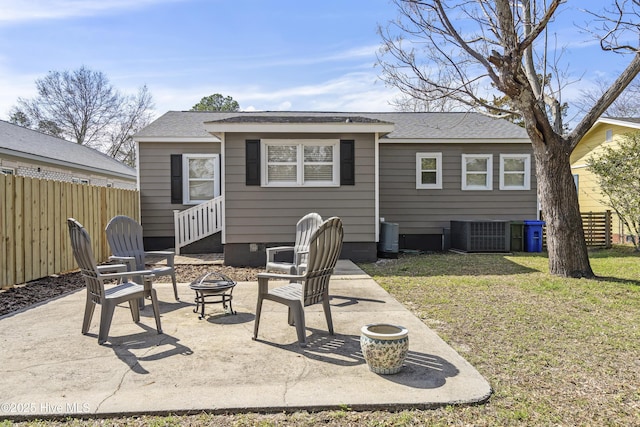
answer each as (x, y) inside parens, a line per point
(607, 232)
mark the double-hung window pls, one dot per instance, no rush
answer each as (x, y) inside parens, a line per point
(201, 176)
(515, 171)
(429, 171)
(477, 170)
(300, 163)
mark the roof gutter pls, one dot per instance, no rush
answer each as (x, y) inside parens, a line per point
(455, 141)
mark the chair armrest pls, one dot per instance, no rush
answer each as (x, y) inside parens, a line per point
(271, 252)
(128, 260)
(111, 268)
(277, 276)
(263, 280)
(169, 255)
(160, 253)
(125, 274)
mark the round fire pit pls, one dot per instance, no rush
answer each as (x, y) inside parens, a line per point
(213, 288)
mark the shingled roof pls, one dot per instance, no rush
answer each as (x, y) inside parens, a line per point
(408, 126)
(22, 142)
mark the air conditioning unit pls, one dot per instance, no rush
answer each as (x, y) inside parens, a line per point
(481, 236)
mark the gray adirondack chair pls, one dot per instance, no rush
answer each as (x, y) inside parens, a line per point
(304, 229)
(124, 235)
(95, 277)
(311, 287)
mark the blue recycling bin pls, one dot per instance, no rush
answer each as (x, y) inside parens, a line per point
(533, 235)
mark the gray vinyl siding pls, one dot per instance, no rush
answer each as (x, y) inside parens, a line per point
(156, 209)
(428, 211)
(256, 214)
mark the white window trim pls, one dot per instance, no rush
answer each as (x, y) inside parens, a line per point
(7, 171)
(527, 171)
(185, 177)
(438, 184)
(77, 180)
(300, 143)
(489, 176)
(608, 135)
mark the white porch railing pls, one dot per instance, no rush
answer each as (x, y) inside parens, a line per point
(197, 222)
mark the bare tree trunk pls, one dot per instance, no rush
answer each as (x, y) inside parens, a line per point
(568, 255)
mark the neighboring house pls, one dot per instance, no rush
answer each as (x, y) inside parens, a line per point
(605, 132)
(25, 152)
(268, 169)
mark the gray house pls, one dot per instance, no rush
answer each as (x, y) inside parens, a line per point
(25, 152)
(238, 182)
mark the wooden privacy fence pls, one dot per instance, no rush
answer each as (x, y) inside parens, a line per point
(597, 227)
(34, 239)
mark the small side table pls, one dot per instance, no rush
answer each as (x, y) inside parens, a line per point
(213, 285)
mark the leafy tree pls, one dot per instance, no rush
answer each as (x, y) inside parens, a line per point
(82, 106)
(617, 170)
(216, 102)
(467, 50)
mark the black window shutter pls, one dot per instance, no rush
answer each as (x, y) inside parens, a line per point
(176, 179)
(347, 162)
(253, 162)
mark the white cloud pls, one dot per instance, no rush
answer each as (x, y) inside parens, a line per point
(30, 10)
(350, 92)
(14, 86)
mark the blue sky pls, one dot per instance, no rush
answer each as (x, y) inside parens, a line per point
(266, 54)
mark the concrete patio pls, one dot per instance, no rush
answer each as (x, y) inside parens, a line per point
(48, 368)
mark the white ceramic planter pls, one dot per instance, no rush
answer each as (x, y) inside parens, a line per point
(384, 347)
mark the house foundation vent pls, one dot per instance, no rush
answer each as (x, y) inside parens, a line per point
(480, 236)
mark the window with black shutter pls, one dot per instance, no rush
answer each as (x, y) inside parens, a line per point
(253, 162)
(347, 162)
(176, 179)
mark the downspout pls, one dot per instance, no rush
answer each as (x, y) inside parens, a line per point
(223, 184)
(377, 186)
(137, 148)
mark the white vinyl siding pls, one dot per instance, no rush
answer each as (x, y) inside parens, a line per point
(477, 170)
(515, 172)
(200, 177)
(429, 171)
(300, 163)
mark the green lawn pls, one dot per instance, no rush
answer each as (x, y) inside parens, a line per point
(556, 351)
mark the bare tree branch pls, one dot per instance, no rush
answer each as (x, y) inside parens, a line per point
(82, 106)
(607, 98)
